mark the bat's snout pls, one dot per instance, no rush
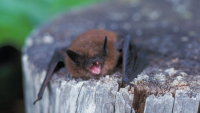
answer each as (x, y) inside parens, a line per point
(95, 68)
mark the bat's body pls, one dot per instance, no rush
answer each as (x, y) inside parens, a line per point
(96, 53)
(89, 45)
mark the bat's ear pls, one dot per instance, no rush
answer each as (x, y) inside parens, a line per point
(74, 56)
(103, 48)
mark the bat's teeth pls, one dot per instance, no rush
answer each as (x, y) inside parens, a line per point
(97, 63)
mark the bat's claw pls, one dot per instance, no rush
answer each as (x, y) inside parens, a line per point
(36, 100)
(128, 83)
(132, 85)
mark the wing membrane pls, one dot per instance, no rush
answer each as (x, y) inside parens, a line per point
(58, 56)
(134, 61)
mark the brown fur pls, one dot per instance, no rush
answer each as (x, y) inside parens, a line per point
(90, 43)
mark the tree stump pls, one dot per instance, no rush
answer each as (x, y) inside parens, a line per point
(169, 30)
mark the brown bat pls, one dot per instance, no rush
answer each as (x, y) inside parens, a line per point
(96, 53)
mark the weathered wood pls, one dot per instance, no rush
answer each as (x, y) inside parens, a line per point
(186, 102)
(166, 84)
(168, 30)
(83, 96)
(159, 104)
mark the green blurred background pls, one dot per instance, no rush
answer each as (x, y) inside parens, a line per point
(17, 19)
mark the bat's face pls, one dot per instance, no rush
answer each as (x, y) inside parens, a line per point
(90, 66)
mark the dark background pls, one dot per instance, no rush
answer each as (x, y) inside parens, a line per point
(17, 19)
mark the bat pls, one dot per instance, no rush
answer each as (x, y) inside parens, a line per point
(96, 53)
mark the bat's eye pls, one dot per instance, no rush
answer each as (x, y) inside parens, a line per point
(78, 63)
(95, 68)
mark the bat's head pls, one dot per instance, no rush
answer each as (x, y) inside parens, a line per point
(90, 66)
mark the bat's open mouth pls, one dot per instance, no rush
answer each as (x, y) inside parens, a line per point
(95, 68)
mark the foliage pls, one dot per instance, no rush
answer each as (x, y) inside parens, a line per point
(19, 17)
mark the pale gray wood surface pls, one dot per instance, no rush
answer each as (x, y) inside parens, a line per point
(162, 104)
(186, 102)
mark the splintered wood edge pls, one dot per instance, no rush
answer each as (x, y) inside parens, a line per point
(167, 90)
(104, 95)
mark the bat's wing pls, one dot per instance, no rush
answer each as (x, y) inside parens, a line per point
(134, 61)
(59, 56)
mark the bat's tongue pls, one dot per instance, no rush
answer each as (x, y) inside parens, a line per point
(95, 69)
